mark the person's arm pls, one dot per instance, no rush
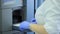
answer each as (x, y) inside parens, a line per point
(39, 29)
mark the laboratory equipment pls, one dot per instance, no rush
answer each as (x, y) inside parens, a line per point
(6, 9)
(7, 17)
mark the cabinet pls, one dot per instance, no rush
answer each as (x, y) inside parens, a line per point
(6, 19)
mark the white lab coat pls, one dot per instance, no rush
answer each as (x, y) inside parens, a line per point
(48, 14)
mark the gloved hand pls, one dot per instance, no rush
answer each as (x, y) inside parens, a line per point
(24, 25)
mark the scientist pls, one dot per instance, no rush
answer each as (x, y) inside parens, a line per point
(47, 17)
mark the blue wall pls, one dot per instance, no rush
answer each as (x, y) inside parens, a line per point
(30, 10)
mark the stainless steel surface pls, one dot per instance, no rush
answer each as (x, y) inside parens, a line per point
(12, 32)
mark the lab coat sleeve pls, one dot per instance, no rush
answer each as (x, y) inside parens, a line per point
(40, 12)
(48, 15)
(38, 29)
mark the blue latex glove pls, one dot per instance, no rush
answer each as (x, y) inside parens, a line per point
(33, 21)
(24, 25)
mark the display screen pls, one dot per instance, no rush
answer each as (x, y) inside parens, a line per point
(11, 3)
(7, 0)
